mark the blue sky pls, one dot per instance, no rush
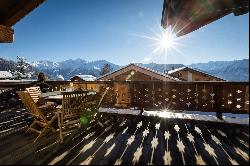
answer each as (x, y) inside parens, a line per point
(109, 29)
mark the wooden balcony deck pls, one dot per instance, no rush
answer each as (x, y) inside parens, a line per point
(136, 139)
(123, 140)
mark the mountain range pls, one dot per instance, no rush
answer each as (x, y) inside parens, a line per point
(237, 70)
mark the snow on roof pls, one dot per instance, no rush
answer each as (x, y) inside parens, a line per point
(87, 77)
(5, 74)
(175, 70)
(143, 67)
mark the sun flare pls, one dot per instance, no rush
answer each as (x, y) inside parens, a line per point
(165, 41)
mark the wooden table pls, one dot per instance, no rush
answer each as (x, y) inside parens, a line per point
(57, 96)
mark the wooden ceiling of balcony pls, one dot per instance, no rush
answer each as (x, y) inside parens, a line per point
(11, 11)
(188, 16)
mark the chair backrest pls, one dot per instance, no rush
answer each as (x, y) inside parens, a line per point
(30, 104)
(73, 103)
(34, 92)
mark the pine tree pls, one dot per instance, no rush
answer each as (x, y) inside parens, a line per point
(21, 71)
(106, 69)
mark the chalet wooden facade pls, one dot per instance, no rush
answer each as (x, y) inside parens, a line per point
(189, 74)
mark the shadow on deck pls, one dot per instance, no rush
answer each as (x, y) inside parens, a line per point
(131, 139)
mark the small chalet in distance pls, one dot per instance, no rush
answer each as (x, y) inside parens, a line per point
(135, 72)
(190, 74)
(80, 78)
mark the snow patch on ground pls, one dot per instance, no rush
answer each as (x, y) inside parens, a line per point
(196, 115)
(120, 111)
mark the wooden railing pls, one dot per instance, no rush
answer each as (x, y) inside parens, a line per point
(219, 97)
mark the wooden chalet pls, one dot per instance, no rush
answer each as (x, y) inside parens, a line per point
(77, 79)
(190, 74)
(12, 11)
(189, 15)
(135, 72)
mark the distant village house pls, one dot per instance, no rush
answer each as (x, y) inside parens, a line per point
(4, 75)
(190, 74)
(83, 78)
(80, 78)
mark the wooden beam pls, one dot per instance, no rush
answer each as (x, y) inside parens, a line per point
(6, 34)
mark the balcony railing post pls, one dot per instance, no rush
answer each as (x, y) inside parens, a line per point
(218, 91)
(246, 101)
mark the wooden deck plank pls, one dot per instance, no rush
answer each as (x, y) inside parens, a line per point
(26, 152)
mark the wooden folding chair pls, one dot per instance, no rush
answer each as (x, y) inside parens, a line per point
(34, 94)
(42, 122)
(70, 112)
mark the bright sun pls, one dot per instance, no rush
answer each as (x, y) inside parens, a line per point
(165, 41)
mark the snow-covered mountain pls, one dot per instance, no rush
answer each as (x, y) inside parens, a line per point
(44, 64)
(237, 70)
(68, 68)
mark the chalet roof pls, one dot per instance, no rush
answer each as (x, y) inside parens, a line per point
(5, 75)
(190, 15)
(86, 77)
(11, 11)
(195, 70)
(142, 69)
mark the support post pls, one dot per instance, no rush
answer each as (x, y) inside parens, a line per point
(6, 34)
(218, 91)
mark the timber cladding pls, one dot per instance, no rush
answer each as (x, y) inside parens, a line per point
(134, 76)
